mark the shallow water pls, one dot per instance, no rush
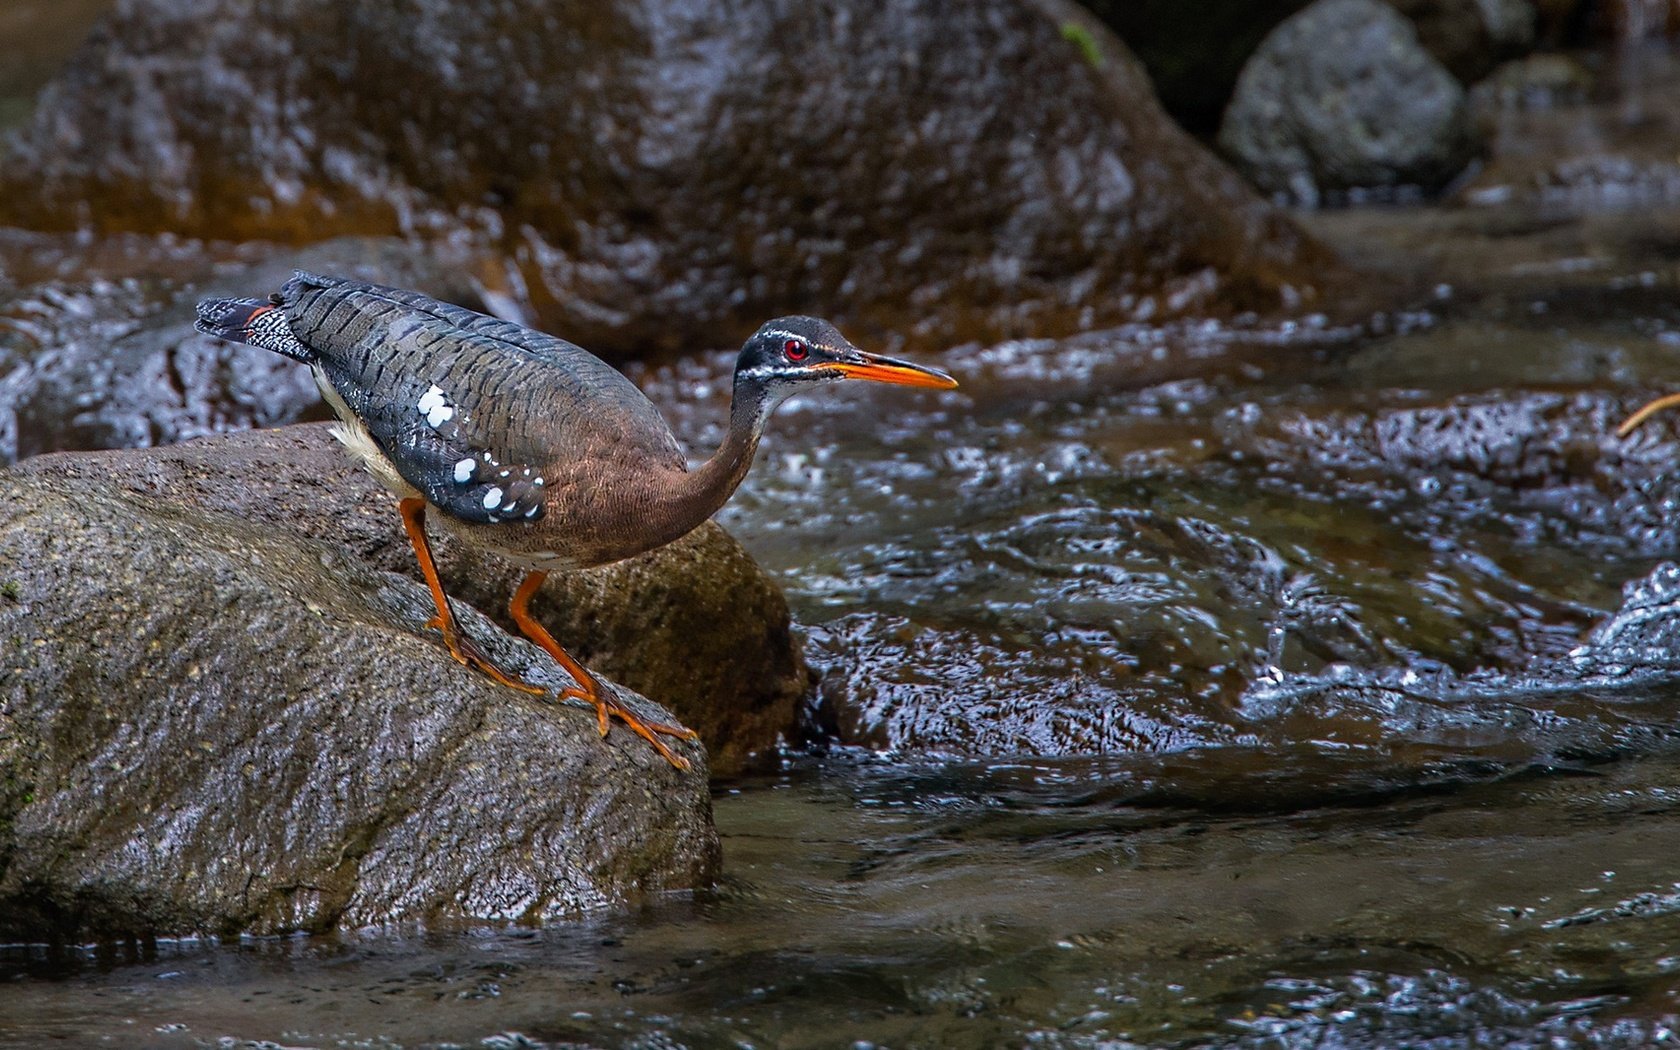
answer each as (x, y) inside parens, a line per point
(1030, 904)
(1348, 632)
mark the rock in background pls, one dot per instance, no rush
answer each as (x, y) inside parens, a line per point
(212, 725)
(1472, 37)
(1343, 97)
(696, 624)
(664, 174)
(1193, 52)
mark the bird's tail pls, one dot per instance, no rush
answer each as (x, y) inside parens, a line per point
(259, 322)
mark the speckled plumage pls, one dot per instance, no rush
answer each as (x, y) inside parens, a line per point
(562, 469)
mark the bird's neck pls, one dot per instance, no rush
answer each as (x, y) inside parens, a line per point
(703, 491)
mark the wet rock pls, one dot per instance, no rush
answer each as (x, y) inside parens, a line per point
(214, 725)
(1538, 461)
(1471, 37)
(665, 175)
(696, 624)
(1642, 638)
(1342, 98)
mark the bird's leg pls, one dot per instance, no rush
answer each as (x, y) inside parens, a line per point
(461, 646)
(606, 706)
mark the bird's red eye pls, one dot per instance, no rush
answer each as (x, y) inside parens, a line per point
(795, 350)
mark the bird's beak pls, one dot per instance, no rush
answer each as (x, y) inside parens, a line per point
(889, 370)
(1645, 413)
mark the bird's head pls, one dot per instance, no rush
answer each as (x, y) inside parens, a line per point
(794, 353)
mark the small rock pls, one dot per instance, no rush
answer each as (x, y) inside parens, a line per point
(1343, 99)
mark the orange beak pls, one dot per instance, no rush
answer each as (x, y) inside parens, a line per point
(888, 370)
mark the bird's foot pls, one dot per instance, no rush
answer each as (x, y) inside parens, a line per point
(467, 653)
(608, 707)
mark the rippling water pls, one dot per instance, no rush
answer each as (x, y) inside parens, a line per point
(1021, 904)
(1349, 639)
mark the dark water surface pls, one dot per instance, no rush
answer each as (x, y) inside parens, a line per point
(1354, 636)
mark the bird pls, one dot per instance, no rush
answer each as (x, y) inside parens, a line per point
(524, 444)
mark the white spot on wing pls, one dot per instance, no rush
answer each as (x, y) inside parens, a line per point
(493, 498)
(435, 406)
(464, 469)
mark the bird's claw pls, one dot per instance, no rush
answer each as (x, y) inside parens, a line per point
(467, 653)
(607, 708)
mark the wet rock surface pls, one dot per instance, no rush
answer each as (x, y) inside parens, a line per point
(666, 170)
(1343, 97)
(214, 726)
(695, 624)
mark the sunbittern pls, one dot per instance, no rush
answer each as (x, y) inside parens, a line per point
(523, 443)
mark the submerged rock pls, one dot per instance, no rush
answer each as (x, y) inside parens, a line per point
(209, 724)
(1343, 98)
(696, 624)
(662, 174)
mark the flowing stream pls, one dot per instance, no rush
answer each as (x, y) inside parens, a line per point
(1353, 637)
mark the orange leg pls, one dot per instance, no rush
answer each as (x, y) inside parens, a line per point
(606, 706)
(461, 646)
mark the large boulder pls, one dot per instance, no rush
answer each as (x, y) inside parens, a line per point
(210, 724)
(668, 173)
(696, 625)
(1344, 98)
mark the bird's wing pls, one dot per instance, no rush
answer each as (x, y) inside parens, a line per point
(470, 409)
